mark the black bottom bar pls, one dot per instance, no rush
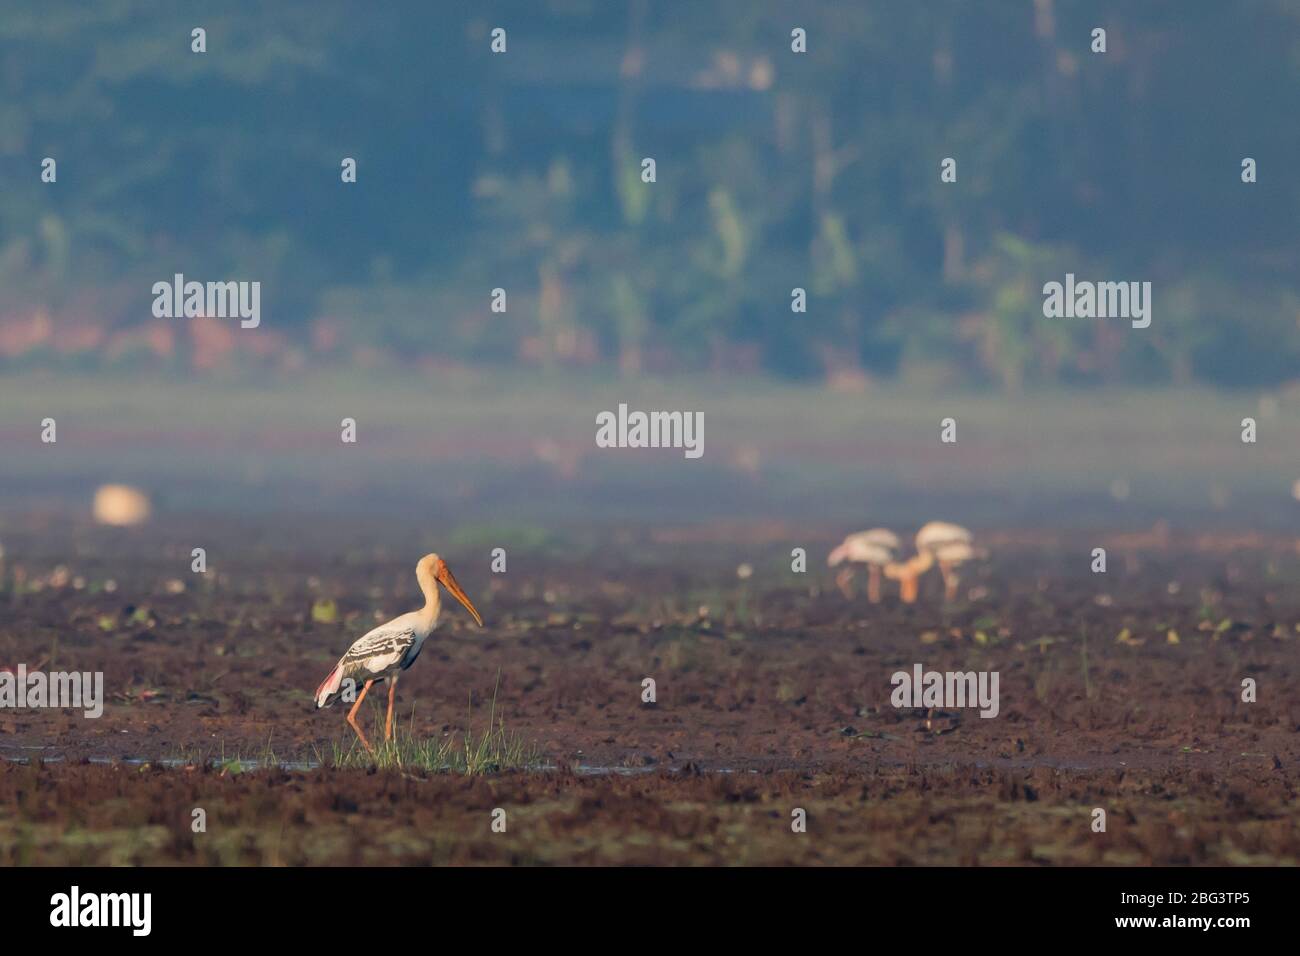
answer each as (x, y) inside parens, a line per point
(338, 905)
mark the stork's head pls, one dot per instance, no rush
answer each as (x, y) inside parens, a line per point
(432, 571)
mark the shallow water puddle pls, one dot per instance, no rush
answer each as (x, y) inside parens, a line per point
(243, 766)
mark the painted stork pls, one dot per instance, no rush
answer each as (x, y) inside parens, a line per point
(875, 548)
(393, 647)
(950, 545)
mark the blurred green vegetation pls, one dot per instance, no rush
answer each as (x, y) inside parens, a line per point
(774, 171)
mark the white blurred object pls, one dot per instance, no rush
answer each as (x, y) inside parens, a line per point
(875, 548)
(121, 505)
(951, 546)
(935, 534)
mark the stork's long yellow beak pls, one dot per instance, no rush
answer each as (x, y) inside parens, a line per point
(448, 580)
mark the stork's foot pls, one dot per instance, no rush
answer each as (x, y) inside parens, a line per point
(361, 736)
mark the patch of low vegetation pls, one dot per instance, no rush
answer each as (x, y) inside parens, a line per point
(472, 753)
(493, 750)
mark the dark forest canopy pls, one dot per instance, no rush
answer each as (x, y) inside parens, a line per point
(774, 170)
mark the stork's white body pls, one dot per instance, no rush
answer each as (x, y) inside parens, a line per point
(379, 654)
(938, 533)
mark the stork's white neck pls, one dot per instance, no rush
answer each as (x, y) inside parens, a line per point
(432, 598)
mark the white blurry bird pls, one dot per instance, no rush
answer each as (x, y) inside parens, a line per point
(949, 545)
(874, 548)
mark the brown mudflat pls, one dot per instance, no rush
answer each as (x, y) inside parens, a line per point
(1119, 691)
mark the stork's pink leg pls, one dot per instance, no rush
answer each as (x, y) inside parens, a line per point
(352, 715)
(950, 581)
(842, 582)
(388, 721)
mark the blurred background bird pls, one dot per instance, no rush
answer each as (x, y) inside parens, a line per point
(875, 548)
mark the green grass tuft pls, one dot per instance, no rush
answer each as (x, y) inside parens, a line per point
(489, 751)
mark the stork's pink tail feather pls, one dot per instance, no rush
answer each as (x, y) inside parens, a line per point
(329, 687)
